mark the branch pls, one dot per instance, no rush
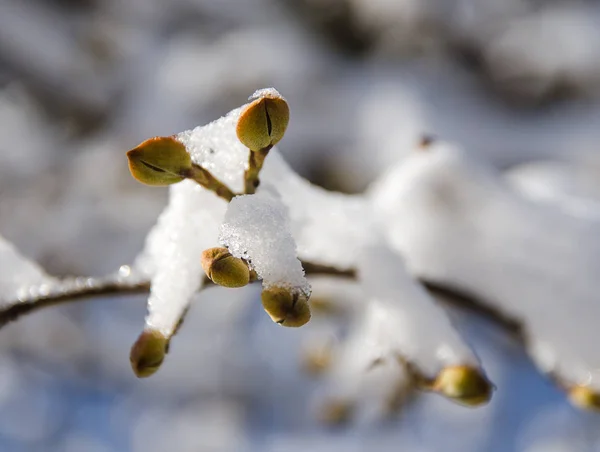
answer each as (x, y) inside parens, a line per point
(67, 291)
(78, 289)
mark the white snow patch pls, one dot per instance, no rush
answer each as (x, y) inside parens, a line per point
(458, 223)
(20, 277)
(257, 229)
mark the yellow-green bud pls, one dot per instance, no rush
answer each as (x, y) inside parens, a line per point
(159, 161)
(584, 397)
(148, 353)
(317, 359)
(263, 122)
(224, 269)
(336, 412)
(464, 384)
(285, 306)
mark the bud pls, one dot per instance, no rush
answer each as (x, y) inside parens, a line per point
(336, 412)
(286, 306)
(224, 269)
(159, 161)
(426, 141)
(317, 359)
(148, 353)
(263, 122)
(584, 397)
(464, 385)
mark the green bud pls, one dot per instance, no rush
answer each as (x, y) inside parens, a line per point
(148, 353)
(285, 306)
(584, 397)
(224, 269)
(463, 384)
(159, 161)
(263, 122)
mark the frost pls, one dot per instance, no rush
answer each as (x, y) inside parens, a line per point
(458, 223)
(257, 229)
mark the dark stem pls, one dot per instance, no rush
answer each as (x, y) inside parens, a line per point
(79, 289)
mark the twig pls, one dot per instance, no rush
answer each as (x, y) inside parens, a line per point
(79, 289)
(70, 290)
(204, 178)
(256, 160)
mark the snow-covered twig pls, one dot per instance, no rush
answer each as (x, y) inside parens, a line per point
(448, 217)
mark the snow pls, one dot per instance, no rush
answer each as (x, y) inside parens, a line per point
(265, 92)
(330, 228)
(572, 187)
(216, 147)
(146, 68)
(257, 228)
(18, 274)
(361, 375)
(171, 259)
(287, 219)
(405, 320)
(458, 223)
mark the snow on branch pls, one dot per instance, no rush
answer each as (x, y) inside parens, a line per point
(459, 224)
(237, 212)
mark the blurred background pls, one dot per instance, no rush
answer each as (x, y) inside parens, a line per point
(83, 81)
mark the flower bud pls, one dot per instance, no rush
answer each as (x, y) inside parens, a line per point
(336, 412)
(463, 384)
(584, 397)
(263, 122)
(317, 359)
(148, 353)
(159, 161)
(286, 306)
(224, 269)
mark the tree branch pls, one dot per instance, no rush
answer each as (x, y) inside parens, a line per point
(78, 289)
(68, 290)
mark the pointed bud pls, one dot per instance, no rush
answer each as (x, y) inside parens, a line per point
(224, 269)
(286, 306)
(584, 397)
(463, 384)
(159, 161)
(148, 353)
(263, 122)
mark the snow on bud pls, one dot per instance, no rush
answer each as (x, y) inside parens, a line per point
(148, 353)
(159, 161)
(466, 385)
(286, 306)
(584, 397)
(263, 122)
(224, 269)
